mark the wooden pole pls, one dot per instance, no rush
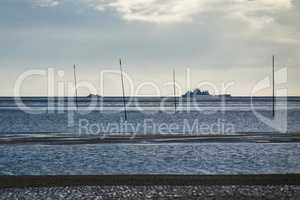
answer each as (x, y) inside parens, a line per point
(123, 90)
(174, 87)
(75, 81)
(273, 84)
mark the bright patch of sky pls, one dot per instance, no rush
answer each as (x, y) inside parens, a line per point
(218, 40)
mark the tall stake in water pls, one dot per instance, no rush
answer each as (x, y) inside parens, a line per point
(273, 79)
(174, 87)
(123, 90)
(75, 81)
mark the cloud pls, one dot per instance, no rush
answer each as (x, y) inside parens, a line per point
(167, 11)
(174, 11)
(46, 3)
(256, 13)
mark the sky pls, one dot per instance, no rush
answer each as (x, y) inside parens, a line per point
(220, 42)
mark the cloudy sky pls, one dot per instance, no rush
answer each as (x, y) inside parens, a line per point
(219, 41)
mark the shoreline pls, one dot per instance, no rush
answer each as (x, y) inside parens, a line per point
(68, 139)
(149, 180)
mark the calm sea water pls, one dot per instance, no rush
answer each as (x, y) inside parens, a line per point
(213, 158)
(237, 114)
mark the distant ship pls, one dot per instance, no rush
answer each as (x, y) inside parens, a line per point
(93, 96)
(197, 93)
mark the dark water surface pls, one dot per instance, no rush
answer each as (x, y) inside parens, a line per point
(213, 158)
(239, 114)
(236, 114)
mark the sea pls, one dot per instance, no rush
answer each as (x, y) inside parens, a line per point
(83, 117)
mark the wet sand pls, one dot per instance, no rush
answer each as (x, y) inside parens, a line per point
(68, 139)
(142, 180)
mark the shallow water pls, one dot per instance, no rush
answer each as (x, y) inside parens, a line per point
(211, 118)
(145, 122)
(213, 158)
(237, 114)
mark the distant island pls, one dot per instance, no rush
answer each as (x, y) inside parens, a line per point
(194, 93)
(200, 93)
